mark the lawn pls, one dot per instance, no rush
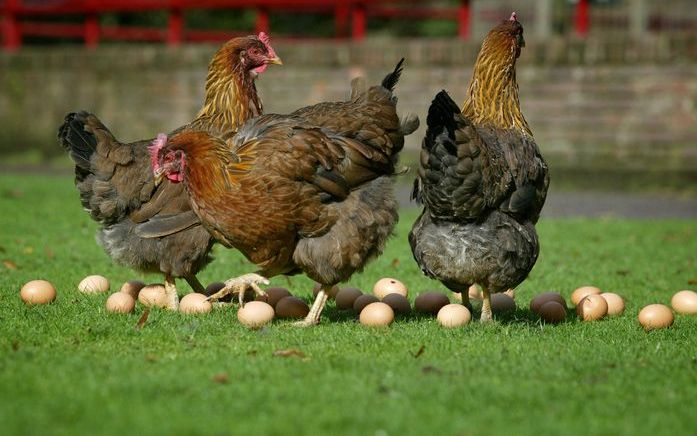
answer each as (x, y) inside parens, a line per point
(71, 368)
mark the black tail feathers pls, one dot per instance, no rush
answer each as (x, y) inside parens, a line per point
(79, 143)
(390, 81)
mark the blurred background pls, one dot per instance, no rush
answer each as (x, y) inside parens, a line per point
(609, 87)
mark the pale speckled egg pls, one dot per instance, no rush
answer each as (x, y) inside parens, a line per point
(255, 314)
(615, 303)
(389, 285)
(656, 316)
(132, 288)
(93, 284)
(194, 303)
(38, 292)
(153, 296)
(474, 292)
(120, 302)
(453, 315)
(685, 302)
(592, 307)
(377, 314)
(580, 293)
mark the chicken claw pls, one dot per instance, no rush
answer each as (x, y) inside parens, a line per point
(239, 285)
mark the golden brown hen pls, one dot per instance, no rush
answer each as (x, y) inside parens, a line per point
(148, 227)
(482, 180)
(294, 196)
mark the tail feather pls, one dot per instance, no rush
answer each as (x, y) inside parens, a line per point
(441, 115)
(79, 143)
(390, 81)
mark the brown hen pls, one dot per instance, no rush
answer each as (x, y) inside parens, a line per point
(151, 227)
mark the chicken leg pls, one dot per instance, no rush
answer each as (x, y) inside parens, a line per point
(239, 285)
(195, 284)
(171, 293)
(486, 306)
(312, 317)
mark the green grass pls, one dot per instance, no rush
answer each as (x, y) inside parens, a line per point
(71, 368)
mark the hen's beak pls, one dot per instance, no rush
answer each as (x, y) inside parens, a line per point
(274, 60)
(159, 175)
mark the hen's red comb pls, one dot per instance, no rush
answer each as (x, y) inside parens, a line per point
(513, 17)
(263, 37)
(154, 149)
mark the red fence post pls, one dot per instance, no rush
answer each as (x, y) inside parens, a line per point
(91, 30)
(175, 27)
(582, 19)
(11, 35)
(341, 18)
(463, 19)
(359, 21)
(262, 22)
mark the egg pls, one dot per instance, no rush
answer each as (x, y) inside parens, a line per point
(389, 285)
(592, 307)
(363, 301)
(291, 307)
(255, 314)
(93, 284)
(153, 296)
(376, 314)
(474, 292)
(552, 311)
(120, 302)
(453, 315)
(582, 292)
(195, 303)
(214, 287)
(685, 302)
(502, 303)
(615, 303)
(537, 302)
(332, 292)
(398, 303)
(346, 297)
(430, 302)
(37, 292)
(132, 288)
(656, 316)
(274, 295)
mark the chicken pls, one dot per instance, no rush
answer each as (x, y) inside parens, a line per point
(294, 196)
(152, 228)
(482, 180)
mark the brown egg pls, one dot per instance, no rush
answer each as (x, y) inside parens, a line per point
(583, 291)
(656, 316)
(332, 292)
(363, 301)
(376, 314)
(291, 307)
(389, 286)
(120, 302)
(346, 297)
(214, 287)
(453, 315)
(153, 296)
(195, 303)
(502, 303)
(592, 307)
(552, 311)
(132, 288)
(38, 292)
(685, 302)
(615, 303)
(430, 302)
(541, 299)
(255, 314)
(274, 295)
(398, 303)
(94, 284)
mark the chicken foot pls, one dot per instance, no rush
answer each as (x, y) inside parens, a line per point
(239, 285)
(486, 306)
(313, 316)
(171, 293)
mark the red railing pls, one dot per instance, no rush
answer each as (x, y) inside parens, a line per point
(16, 17)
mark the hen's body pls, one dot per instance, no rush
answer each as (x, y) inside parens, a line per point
(298, 197)
(482, 180)
(151, 227)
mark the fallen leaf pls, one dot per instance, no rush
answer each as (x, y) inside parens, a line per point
(143, 318)
(290, 352)
(9, 264)
(221, 378)
(394, 263)
(419, 352)
(692, 282)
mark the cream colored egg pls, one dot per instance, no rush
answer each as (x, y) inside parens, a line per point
(453, 315)
(132, 288)
(592, 307)
(255, 314)
(120, 302)
(376, 314)
(580, 293)
(153, 296)
(194, 303)
(685, 302)
(615, 303)
(389, 285)
(474, 292)
(94, 284)
(38, 292)
(656, 316)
